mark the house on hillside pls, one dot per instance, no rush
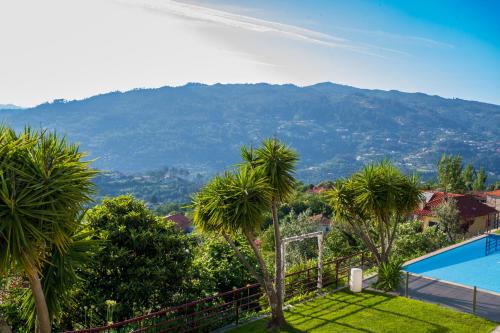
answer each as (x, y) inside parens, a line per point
(493, 199)
(321, 222)
(475, 217)
(181, 221)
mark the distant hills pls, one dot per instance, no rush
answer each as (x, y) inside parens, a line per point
(335, 128)
(9, 106)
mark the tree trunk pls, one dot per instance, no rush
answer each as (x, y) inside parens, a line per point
(277, 317)
(266, 282)
(4, 327)
(42, 312)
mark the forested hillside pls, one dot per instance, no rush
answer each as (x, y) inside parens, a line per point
(334, 128)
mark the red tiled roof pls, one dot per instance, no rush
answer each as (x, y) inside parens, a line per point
(319, 219)
(495, 193)
(468, 206)
(317, 189)
(422, 212)
(180, 220)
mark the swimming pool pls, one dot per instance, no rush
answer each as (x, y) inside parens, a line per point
(467, 264)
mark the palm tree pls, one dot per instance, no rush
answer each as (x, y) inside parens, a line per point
(277, 162)
(43, 186)
(59, 277)
(373, 202)
(235, 203)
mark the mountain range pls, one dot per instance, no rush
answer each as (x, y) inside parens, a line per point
(335, 128)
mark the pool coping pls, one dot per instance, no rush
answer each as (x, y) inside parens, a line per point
(444, 249)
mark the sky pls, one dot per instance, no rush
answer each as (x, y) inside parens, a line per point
(73, 49)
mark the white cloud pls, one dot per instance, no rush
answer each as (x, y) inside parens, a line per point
(205, 14)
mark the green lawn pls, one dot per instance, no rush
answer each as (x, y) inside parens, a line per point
(373, 312)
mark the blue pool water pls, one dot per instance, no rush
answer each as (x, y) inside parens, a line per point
(466, 264)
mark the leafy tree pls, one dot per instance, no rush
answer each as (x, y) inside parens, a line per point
(216, 266)
(43, 187)
(277, 161)
(373, 202)
(447, 215)
(450, 174)
(468, 176)
(480, 180)
(143, 263)
(340, 241)
(494, 186)
(168, 208)
(413, 242)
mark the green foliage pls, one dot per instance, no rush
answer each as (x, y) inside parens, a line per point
(156, 187)
(373, 202)
(480, 180)
(389, 275)
(447, 215)
(233, 202)
(144, 262)
(340, 241)
(453, 177)
(216, 266)
(295, 225)
(495, 186)
(450, 174)
(413, 242)
(304, 201)
(468, 176)
(169, 208)
(10, 305)
(60, 279)
(277, 161)
(44, 185)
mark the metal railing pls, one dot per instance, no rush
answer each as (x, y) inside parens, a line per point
(237, 305)
(492, 244)
(464, 298)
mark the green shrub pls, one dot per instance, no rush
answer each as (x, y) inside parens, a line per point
(389, 275)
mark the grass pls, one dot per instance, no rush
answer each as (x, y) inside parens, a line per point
(373, 312)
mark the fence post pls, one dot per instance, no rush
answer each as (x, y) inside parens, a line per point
(406, 283)
(237, 309)
(320, 262)
(283, 270)
(336, 273)
(474, 300)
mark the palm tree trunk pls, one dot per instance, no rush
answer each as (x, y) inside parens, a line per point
(277, 317)
(42, 312)
(266, 280)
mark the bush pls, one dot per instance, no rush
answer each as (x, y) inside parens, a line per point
(412, 242)
(216, 267)
(389, 275)
(340, 242)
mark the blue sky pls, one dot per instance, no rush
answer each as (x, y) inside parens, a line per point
(74, 49)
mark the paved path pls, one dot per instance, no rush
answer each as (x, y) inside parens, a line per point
(454, 296)
(450, 295)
